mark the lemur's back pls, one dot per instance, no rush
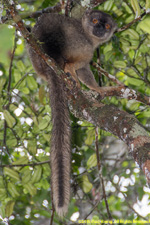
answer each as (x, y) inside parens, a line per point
(62, 38)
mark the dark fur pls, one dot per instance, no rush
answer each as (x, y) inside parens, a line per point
(71, 43)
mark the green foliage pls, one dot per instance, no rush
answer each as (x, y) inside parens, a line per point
(6, 43)
(25, 127)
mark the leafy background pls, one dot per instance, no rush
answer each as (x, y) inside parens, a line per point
(25, 128)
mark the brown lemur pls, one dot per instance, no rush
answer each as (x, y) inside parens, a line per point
(71, 43)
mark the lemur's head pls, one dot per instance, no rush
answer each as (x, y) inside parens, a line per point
(98, 25)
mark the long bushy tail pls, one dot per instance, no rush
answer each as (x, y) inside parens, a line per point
(60, 146)
(60, 138)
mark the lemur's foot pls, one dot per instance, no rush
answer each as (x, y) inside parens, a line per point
(70, 69)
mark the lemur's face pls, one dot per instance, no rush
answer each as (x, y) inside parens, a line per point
(99, 25)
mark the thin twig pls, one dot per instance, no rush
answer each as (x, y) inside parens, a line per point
(99, 172)
(8, 90)
(97, 149)
(106, 74)
(92, 210)
(23, 165)
(121, 90)
(52, 214)
(22, 78)
(11, 64)
(125, 27)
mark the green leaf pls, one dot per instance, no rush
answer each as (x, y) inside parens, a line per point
(92, 161)
(31, 83)
(2, 211)
(6, 43)
(145, 24)
(140, 193)
(20, 66)
(21, 160)
(131, 54)
(41, 94)
(30, 188)
(46, 137)
(11, 173)
(2, 182)
(107, 48)
(131, 72)
(32, 146)
(46, 169)
(2, 83)
(17, 76)
(43, 184)
(131, 33)
(25, 90)
(26, 175)
(3, 194)
(37, 174)
(138, 60)
(9, 208)
(144, 114)
(44, 122)
(108, 55)
(133, 105)
(133, 81)
(12, 142)
(90, 137)
(136, 7)
(120, 64)
(13, 190)
(87, 186)
(124, 42)
(108, 5)
(127, 8)
(129, 19)
(26, 100)
(9, 119)
(125, 49)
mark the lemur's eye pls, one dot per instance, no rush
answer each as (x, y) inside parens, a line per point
(95, 21)
(107, 26)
